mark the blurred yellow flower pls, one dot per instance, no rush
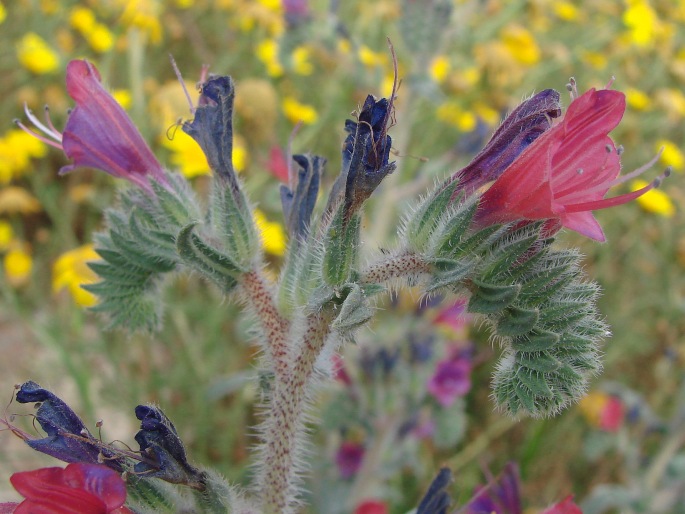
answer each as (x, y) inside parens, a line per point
(672, 101)
(3, 12)
(654, 201)
(70, 271)
(487, 113)
(637, 99)
(296, 111)
(642, 22)
(123, 97)
(190, 160)
(267, 52)
(597, 60)
(592, 405)
(344, 46)
(36, 55)
(521, 44)
(17, 148)
(566, 11)
(100, 38)
(439, 68)
(370, 58)
(82, 19)
(6, 235)
(386, 85)
(452, 113)
(302, 61)
(143, 15)
(17, 200)
(273, 235)
(672, 155)
(18, 264)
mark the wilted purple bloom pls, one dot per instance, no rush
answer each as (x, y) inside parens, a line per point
(523, 126)
(99, 134)
(349, 459)
(451, 379)
(500, 496)
(165, 452)
(67, 439)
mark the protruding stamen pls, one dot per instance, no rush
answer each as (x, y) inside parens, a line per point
(572, 88)
(48, 121)
(620, 149)
(183, 84)
(36, 122)
(38, 136)
(610, 83)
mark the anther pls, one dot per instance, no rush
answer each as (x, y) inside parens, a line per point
(83, 432)
(579, 171)
(609, 148)
(619, 149)
(99, 423)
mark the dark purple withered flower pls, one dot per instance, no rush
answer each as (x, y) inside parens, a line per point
(67, 439)
(99, 134)
(451, 378)
(437, 500)
(164, 451)
(519, 129)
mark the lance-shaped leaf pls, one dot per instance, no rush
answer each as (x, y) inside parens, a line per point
(354, 312)
(212, 263)
(341, 249)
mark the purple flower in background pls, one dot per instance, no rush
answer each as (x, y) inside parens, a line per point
(99, 134)
(500, 496)
(349, 458)
(451, 378)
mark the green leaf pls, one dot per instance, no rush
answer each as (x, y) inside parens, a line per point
(354, 312)
(213, 264)
(537, 341)
(454, 230)
(426, 218)
(516, 321)
(341, 248)
(491, 298)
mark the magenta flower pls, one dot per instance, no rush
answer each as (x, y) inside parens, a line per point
(349, 458)
(99, 134)
(79, 489)
(451, 379)
(565, 506)
(565, 173)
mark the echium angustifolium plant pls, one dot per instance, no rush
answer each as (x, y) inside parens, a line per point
(546, 170)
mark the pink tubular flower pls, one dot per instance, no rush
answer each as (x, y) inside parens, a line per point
(371, 507)
(565, 174)
(566, 506)
(451, 379)
(99, 134)
(79, 489)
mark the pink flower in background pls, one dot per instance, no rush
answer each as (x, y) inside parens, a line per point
(612, 415)
(567, 171)
(77, 489)
(371, 507)
(566, 506)
(99, 134)
(451, 378)
(349, 458)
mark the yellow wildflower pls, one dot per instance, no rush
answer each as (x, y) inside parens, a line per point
(521, 44)
(566, 11)
(387, 84)
(654, 201)
(100, 38)
(672, 155)
(36, 55)
(637, 99)
(488, 114)
(184, 4)
(71, 271)
(296, 111)
(453, 114)
(6, 235)
(642, 22)
(370, 58)
(143, 15)
(17, 148)
(50, 6)
(272, 5)
(186, 154)
(82, 19)
(439, 68)
(672, 101)
(597, 60)
(592, 405)
(273, 235)
(267, 52)
(302, 61)
(17, 200)
(123, 97)
(3, 12)
(18, 264)
(344, 46)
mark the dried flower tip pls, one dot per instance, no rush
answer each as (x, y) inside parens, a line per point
(99, 423)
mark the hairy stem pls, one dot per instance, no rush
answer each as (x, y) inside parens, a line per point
(284, 431)
(275, 327)
(393, 267)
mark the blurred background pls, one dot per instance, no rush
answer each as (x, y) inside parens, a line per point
(386, 423)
